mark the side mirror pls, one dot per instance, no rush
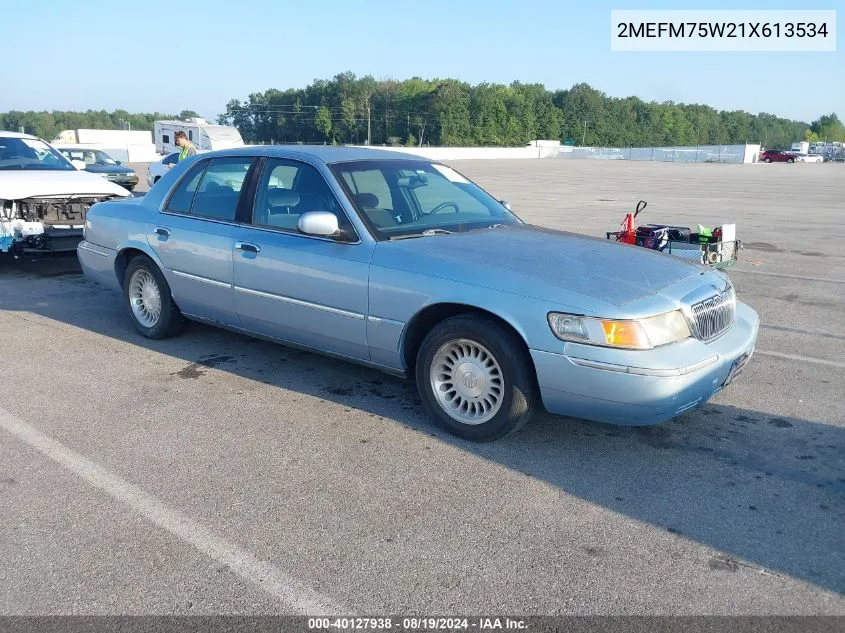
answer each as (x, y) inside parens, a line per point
(79, 164)
(119, 162)
(320, 223)
(506, 204)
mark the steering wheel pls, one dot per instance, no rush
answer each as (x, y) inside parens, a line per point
(445, 205)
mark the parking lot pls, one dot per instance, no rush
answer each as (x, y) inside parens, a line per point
(214, 473)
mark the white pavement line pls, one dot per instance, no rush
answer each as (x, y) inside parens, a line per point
(801, 277)
(805, 359)
(287, 589)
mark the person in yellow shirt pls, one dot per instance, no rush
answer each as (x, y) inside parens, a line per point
(188, 149)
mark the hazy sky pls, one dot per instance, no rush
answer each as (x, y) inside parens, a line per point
(151, 55)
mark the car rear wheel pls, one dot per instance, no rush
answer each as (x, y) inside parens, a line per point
(767, 160)
(475, 378)
(147, 296)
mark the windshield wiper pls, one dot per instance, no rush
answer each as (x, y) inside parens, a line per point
(426, 233)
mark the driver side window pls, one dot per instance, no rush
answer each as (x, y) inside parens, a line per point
(288, 189)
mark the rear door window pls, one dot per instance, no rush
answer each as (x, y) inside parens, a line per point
(181, 199)
(219, 190)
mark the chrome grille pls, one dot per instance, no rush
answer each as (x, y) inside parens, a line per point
(715, 315)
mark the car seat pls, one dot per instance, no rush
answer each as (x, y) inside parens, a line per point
(280, 209)
(369, 203)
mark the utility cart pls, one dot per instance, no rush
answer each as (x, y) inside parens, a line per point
(717, 247)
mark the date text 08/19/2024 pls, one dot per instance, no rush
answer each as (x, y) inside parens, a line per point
(417, 623)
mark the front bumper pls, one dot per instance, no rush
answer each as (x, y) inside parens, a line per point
(126, 183)
(51, 240)
(641, 393)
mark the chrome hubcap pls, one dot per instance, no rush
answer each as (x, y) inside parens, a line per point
(467, 381)
(144, 298)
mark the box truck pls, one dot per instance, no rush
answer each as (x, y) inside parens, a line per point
(111, 138)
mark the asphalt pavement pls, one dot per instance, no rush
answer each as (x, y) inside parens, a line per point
(214, 473)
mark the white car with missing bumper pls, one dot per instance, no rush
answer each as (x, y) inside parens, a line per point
(44, 197)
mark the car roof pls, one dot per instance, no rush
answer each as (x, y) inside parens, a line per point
(74, 146)
(18, 135)
(327, 154)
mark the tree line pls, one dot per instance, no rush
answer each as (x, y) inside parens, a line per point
(351, 109)
(47, 125)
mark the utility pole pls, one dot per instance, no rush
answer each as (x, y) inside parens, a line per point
(369, 129)
(584, 138)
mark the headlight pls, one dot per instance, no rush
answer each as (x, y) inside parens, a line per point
(131, 174)
(630, 334)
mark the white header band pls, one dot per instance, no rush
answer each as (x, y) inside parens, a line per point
(705, 30)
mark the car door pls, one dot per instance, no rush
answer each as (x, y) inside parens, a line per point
(195, 235)
(304, 289)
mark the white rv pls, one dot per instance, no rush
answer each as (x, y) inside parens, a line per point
(204, 135)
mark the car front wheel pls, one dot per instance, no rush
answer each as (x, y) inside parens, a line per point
(475, 378)
(790, 160)
(147, 295)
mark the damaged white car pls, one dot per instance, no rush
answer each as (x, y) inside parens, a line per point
(44, 197)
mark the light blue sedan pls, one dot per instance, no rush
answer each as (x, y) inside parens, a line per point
(404, 265)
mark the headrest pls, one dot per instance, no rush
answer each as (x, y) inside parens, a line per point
(282, 198)
(367, 200)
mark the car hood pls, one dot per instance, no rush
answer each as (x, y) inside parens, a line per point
(108, 169)
(18, 184)
(540, 263)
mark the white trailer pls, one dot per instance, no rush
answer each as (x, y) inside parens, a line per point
(204, 135)
(802, 147)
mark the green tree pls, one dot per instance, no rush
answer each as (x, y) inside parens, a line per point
(323, 122)
(828, 127)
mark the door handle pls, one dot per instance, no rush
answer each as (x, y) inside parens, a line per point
(247, 247)
(163, 232)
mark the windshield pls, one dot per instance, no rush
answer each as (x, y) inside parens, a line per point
(88, 156)
(399, 198)
(30, 153)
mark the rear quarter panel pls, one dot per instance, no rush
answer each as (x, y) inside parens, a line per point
(112, 227)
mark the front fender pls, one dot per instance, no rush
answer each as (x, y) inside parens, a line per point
(397, 297)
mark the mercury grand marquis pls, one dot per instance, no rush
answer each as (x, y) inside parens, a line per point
(405, 265)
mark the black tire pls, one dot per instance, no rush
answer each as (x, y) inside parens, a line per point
(790, 160)
(170, 320)
(519, 393)
(767, 160)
